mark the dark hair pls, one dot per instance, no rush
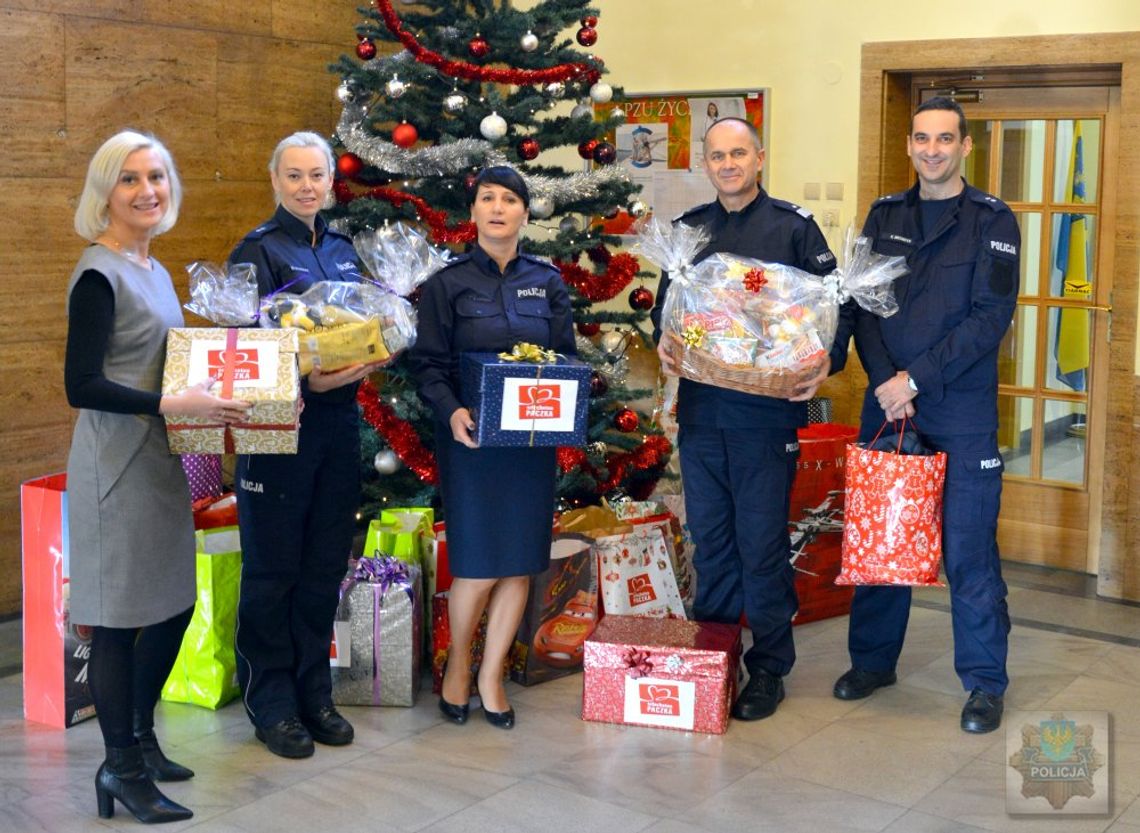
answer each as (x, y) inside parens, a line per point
(942, 102)
(749, 126)
(502, 175)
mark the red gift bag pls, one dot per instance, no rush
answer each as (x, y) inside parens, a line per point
(55, 649)
(815, 521)
(892, 532)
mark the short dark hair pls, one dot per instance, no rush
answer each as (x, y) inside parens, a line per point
(752, 131)
(502, 175)
(943, 102)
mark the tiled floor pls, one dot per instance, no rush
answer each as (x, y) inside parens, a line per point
(895, 762)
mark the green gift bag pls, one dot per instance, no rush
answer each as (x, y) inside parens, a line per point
(205, 672)
(402, 533)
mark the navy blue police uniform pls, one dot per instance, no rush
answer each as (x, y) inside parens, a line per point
(499, 502)
(739, 451)
(296, 512)
(955, 307)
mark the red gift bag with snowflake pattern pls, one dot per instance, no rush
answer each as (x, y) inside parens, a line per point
(892, 528)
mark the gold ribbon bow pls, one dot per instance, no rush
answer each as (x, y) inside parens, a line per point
(694, 335)
(532, 353)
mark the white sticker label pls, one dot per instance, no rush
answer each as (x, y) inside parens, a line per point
(538, 405)
(340, 652)
(255, 363)
(652, 701)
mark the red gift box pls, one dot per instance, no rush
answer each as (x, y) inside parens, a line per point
(56, 649)
(667, 673)
(815, 521)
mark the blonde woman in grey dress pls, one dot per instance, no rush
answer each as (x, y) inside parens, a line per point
(132, 568)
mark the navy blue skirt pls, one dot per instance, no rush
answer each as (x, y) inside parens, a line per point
(499, 507)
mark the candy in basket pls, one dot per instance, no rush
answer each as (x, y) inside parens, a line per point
(754, 326)
(342, 324)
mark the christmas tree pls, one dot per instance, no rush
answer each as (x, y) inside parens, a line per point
(439, 90)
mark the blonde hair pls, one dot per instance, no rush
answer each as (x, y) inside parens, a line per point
(92, 214)
(302, 139)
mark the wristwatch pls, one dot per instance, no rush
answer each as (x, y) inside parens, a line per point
(910, 381)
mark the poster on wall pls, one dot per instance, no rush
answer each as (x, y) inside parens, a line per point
(661, 145)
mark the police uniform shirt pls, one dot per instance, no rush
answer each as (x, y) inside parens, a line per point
(470, 306)
(766, 229)
(955, 307)
(282, 249)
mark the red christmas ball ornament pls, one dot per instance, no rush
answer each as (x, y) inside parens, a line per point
(349, 165)
(366, 49)
(587, 36)
(625, 420)
(478, 47)
(528, 148)
(589, 328)
(605, 153)
(598, 384)
(641, 298)
(589, 21)
(469, 180)
(341, 191)
(405, 135)
(586, 148)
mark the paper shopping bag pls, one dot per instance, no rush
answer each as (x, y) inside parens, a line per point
(636, 575)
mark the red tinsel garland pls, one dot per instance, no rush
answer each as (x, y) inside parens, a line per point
(620, 271)
(436, 221)
(473, 72)
(398, 433)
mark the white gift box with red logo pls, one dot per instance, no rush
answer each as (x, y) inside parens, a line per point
(254, 365)
(518, 403)
(664, 673)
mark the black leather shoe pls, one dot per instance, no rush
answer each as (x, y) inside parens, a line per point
(456, 714)
(123, 776)
(500, 720)
(760, 697)
(329, 727)
(982, 712)
(857, 683)
(289, 738)
(158, 766)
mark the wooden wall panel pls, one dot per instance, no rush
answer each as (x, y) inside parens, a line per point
(219, 82)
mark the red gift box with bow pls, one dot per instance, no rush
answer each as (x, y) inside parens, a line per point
(665, 673)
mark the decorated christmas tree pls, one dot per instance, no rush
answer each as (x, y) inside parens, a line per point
(439, 90)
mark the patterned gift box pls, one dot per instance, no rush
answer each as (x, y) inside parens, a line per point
(667, 673)
(517, 403)
(258, 366)
(376, 650)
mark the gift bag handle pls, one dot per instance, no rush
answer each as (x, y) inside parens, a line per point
(901, 431)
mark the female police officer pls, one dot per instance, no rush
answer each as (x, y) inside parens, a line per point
(488, 300)
(297, 512)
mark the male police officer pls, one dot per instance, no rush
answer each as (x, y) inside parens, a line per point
(936, 360)
(739, 451)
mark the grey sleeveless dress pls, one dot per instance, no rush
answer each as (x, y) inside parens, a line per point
(128, 502)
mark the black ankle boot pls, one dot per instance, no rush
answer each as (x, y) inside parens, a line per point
(158, 766)
(123, 776)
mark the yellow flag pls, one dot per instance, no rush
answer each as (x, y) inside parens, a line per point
(1073, 327)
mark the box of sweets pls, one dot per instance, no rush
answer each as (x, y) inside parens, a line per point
(520, 403)
(665, 673)
(254, 365)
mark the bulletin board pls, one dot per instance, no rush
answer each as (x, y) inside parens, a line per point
(660, 145)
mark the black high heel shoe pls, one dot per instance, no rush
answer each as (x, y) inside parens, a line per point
(500, 720)
(158, 766)
(456, 714)
(123, 776)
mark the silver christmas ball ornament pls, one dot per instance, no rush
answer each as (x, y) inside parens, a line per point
(395, 87)
(454, 103)
(386, 461)
(541, 207)
(582, 110)
(568, 225)
(600, 93)
(528, 42)
(555, 89)
(617, 113)
(613, 344)
(638, 209)
(493, 127)
(346, 92)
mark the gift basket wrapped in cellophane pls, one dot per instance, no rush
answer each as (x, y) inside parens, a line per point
(754, 326)
(342, 323)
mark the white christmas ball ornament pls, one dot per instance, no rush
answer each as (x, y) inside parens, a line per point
(613, 343)
(601, 93)
(541, 207)
(529, 41)
(493, 127)
(386, 461)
